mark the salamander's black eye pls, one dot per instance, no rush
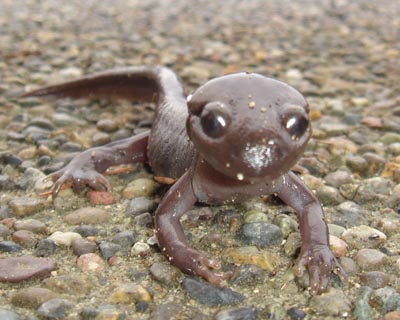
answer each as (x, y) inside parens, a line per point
(296, 124)
(214, 120)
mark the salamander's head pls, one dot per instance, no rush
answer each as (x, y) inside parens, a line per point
(247, 126)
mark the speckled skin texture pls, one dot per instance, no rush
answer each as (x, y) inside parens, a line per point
(234, 138)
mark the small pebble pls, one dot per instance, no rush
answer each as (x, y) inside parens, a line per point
(107, 125)
(88, 215)
(70, 284)
(82, 246)
(139, 205)
(86, 230)
(375, 279)
(247, 275)
(296, 314)
(292, 244)
(17, 269)
(394, 315)
(25, 238)
(362, 308)
(349, 266)
(4, 231)
(55, 308)
(109, 249)
(261, 234)
(350, 214)
(242, 313)
(165, 273)
(337, 246)
(22, 207)
(100, 139)
(329, 196)
(91, 263)
(371, 259)
(45, 248)
(363, 237)
(141, 187)
(206, 293)
(128, 293)
(9, 246)
(32, 297)
(140, 248)
(100, 197)
(64, 238)
(337, 178)
(125, 239)
(331, 303)
(252, 255)
(32, 225)
(8, 315)
(386, 298)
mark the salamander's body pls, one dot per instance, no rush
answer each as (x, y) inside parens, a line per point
(236, 137)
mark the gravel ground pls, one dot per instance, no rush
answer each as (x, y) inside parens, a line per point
(100, 261)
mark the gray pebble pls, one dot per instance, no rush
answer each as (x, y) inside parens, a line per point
(107, 125)
(70, 284)
(108, 249)
(42, 123)
(329, 196)
(125, 239)
(206, 293)
(296, 314)
(337, 178)
(387, 298)
(375, 189)
(86, 230)
(357, 164)
(362, 309)
(55, 308)
(165, 273)
(375, 163)
(9, 246)
(364, 237)
(71, 147)
(45, 248)
(242, 313)
(139, 205)
(64, 119)
(260, 234)
(247, 275)
(166, 311)
(4, 231)
(8, 315)
(350, 214)
(331, 303)
(349, 266)
(143, 220)
(100, 138)
(371, 259)
(9, 158)
(292, 244)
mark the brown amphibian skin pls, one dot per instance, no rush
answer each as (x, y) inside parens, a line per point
(236, 137)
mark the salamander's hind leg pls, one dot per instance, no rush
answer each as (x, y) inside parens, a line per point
(87, 167)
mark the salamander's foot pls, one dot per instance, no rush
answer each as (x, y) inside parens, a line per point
(320, 262)
(72, 176)
(193, 262)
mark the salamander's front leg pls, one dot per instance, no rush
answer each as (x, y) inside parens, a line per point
(315, 254)
(179, 199)
(86, 167)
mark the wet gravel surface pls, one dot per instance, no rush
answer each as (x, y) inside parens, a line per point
(76, 258)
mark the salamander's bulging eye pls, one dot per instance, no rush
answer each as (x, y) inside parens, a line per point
(296, 125)
(214, 120)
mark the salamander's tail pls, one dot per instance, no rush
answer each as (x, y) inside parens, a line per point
(142, 83)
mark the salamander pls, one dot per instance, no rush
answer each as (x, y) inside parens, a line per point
(234, 138)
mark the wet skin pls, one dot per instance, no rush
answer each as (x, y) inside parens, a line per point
(236, 137)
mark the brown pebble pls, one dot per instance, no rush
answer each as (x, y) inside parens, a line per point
(17, 269)
(375, 279)
(82, 246)
(100, 197)
(394, 315)
(372, 122)
(26, 206)
(88, 215)
(32, 225)
(32, 297)
(25, 238)
(91, 262)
